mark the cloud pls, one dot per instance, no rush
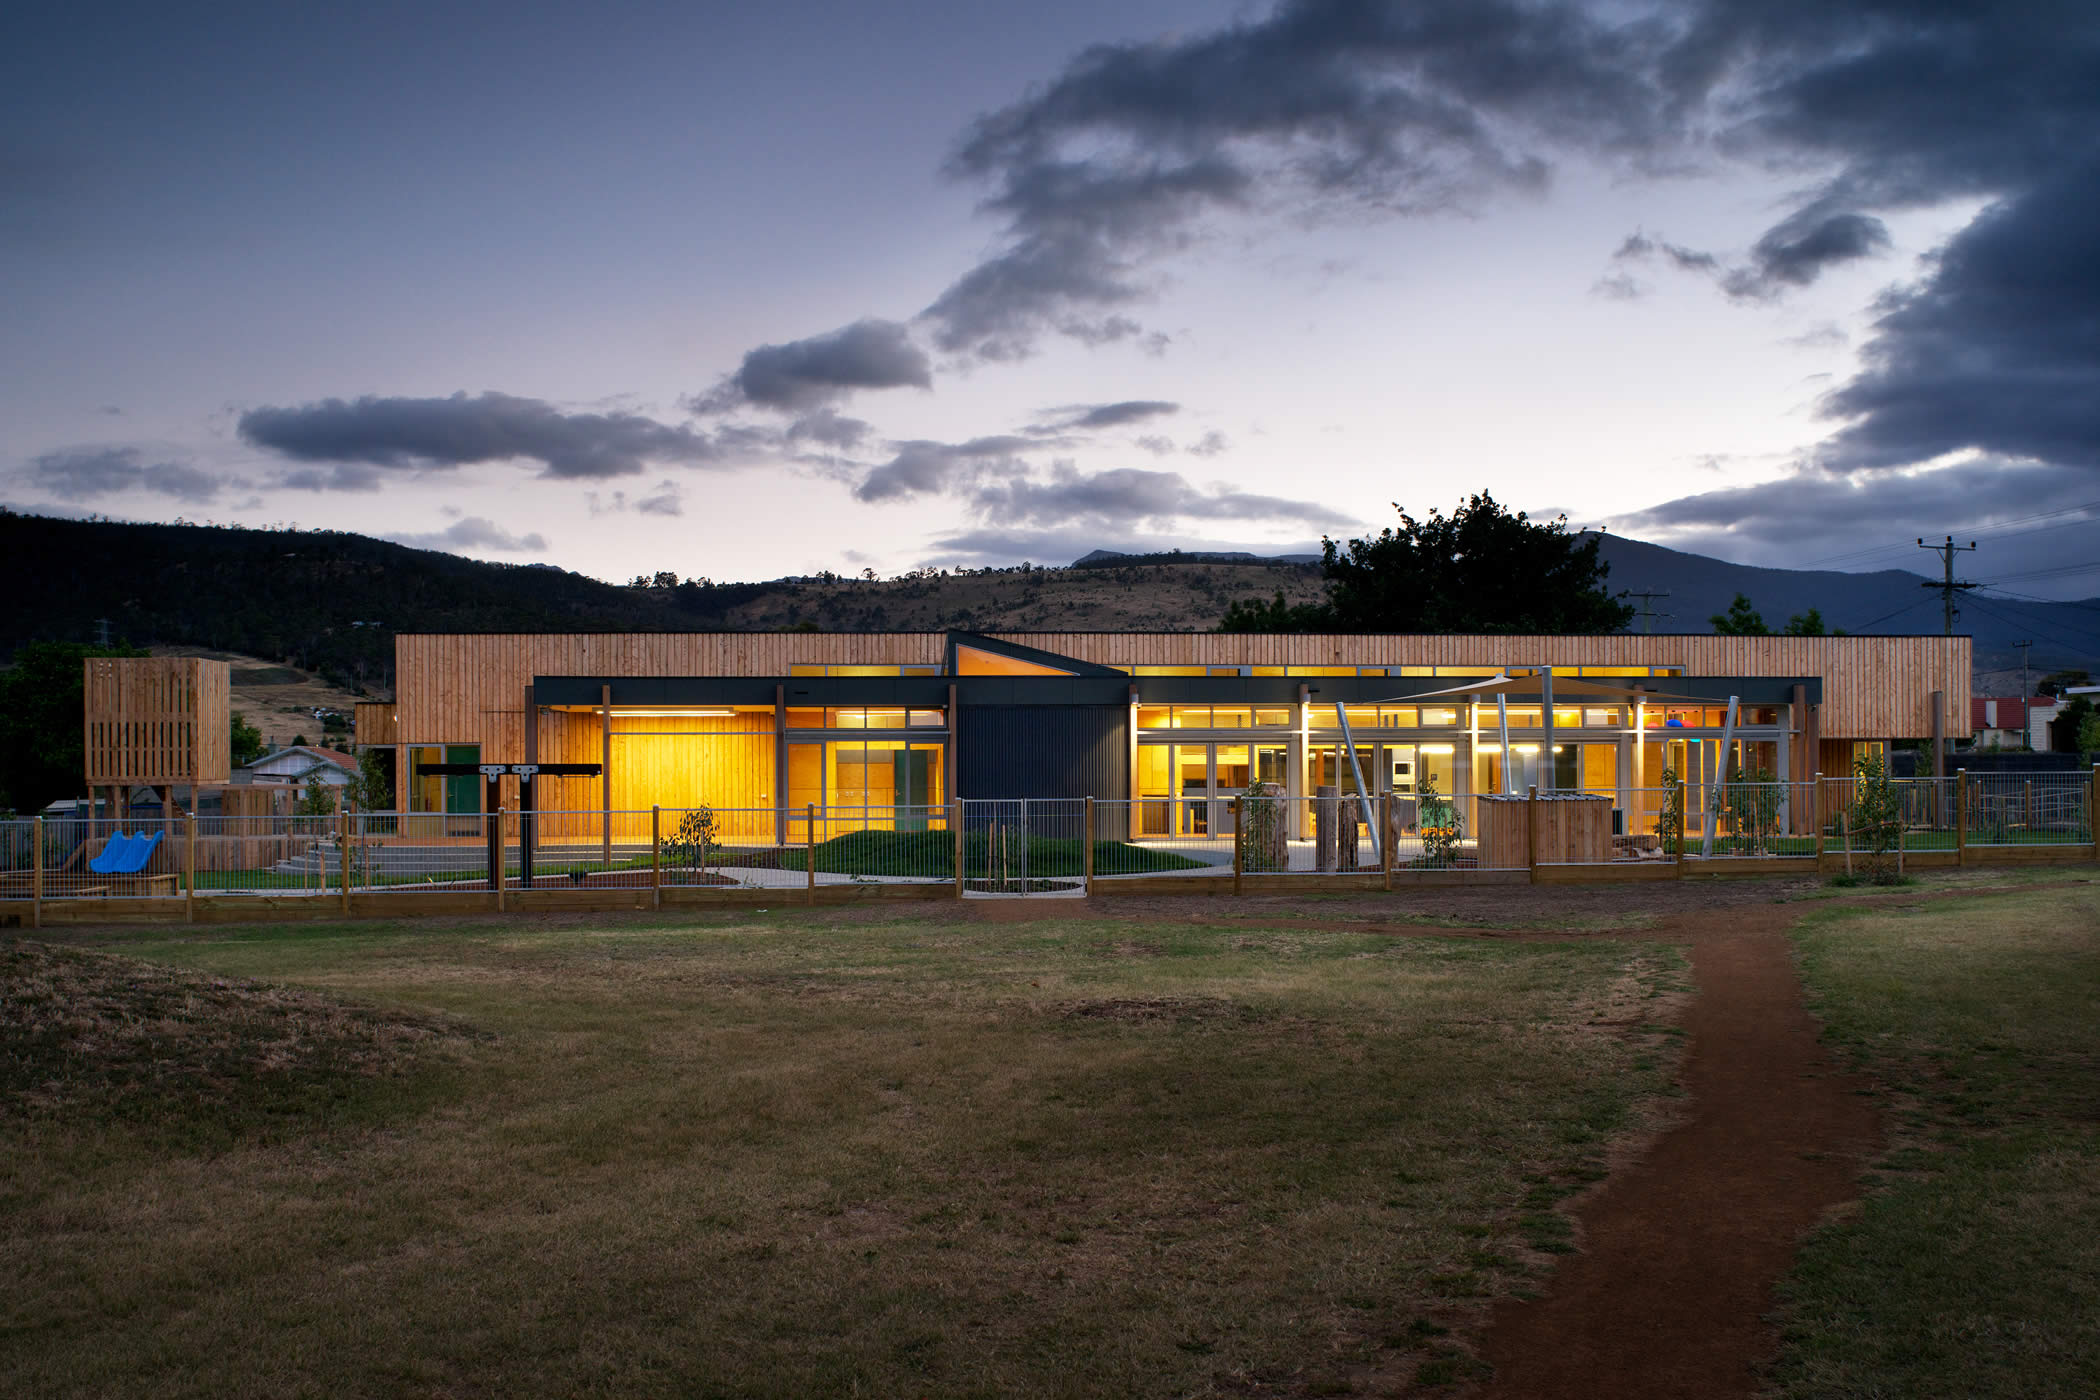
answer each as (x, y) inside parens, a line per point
(471, 534)
(1083, 416)
(1997, 350)
(1211, 444)
(1157, 444)
(922, 467)
(803, 375)
(1401, 107)
(1794, 253)
(88, 473)
(362, 440)
(1126, 496)
(1813, 515)
(829, 429)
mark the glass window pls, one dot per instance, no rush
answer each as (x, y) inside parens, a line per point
(1601, 719)
(1614, 670)
(1566, 719)
(1600, 768)
(1438, 716)
(927, 718)
(1155, 716)
(1761, 714)
(1412, 670)
(1520, 716)
(1231, 717)
(1221, 670)
(1192, 716)
(1272, 718)
(1321, 670)
(920, 670)
(1398, 716)
(806, 668)
(805, 719)
(1167, 670)
(1265, 670)
(975, 661)
(1469, 670)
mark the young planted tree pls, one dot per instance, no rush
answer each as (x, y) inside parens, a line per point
(1441, 826)
(1876, 817)
(692, 846)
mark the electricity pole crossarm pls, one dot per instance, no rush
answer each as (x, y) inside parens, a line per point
(1948, 587)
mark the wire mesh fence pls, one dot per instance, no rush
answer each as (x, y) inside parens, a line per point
(2030, 809)
(1033, 846)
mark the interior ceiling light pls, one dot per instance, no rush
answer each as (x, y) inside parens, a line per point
(626, 712)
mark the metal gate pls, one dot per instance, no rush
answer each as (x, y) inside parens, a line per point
(1017, 847)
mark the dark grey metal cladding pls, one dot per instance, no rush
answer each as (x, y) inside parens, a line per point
(1043, 751)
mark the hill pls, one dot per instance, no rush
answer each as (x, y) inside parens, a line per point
(328, 603)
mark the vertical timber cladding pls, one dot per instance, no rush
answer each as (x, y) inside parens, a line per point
(156, 719)
(1873, 687)
(1042, 751)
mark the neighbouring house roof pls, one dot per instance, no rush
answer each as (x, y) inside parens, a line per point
(298, 761)
(2008, 712)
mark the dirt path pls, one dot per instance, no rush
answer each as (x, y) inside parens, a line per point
(1682, 1249)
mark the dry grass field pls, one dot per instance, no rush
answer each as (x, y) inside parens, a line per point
(798, 1153)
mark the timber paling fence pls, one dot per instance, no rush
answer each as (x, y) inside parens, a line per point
(216, 867)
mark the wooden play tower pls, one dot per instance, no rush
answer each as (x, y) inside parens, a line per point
(160, 721)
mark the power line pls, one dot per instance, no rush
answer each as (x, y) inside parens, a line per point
(2029, 624)
(1886, 616)
(1997, 531)
(2006, 595)
(1648, 612)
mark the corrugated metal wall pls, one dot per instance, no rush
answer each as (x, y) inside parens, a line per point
(1042, 751)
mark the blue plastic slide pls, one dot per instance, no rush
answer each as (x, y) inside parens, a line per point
(125, 855)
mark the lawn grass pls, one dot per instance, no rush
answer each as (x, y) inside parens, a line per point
(794, 1154)
(931, 855)
(1970, 1268)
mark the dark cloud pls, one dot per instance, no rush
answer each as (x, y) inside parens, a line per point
(88, 473)
(1814, 515)
(1083, 416)
(1409, 107)
(1997, 350)
(830, 429)
(473, 534)
(1129, 496)
(361, 440)
(922, 467)
(1794, 253)
(804, 375)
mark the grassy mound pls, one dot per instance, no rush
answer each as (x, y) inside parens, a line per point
(931, 855)
(91, 1036)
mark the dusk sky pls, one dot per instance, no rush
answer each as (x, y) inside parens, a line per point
(748, 290)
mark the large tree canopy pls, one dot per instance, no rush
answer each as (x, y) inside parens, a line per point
(43, 740)
(1479, 569)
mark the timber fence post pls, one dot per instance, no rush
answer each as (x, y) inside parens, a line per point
(1815, 814)
(1961, 816)
(496, 856)
(342, 855)
(809, 857)
(1531, 831)
(957, 807)
(36, 880)
(189, 861)
(1845, 830)
(1087, 839)
(1385, 830)
(656, 857)
(1238, 842)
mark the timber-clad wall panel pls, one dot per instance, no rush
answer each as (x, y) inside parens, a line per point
(157, 719)
(376, 722)
(469, 688)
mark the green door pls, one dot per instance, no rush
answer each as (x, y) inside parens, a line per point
(912, 774)
(463, 794)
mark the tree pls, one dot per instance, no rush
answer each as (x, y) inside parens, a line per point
(43, 714)
(1248, 615)
(318, 800)
(2057, 682)
(369, 789)
(1741, 620)
(2089, 733)
(244, 741)
(1479, 569)
(1809, 624)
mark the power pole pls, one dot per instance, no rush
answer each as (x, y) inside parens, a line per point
(1648, 613)
(2026, 718)
(102, 633)
(1949, 587)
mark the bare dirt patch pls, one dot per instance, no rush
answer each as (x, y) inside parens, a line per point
(1683, 1248)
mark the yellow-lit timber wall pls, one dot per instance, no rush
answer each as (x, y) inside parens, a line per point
(672, 762)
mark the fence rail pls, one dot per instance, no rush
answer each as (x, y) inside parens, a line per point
(1044, 846)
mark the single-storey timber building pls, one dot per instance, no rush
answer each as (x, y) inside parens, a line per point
(884, 729)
